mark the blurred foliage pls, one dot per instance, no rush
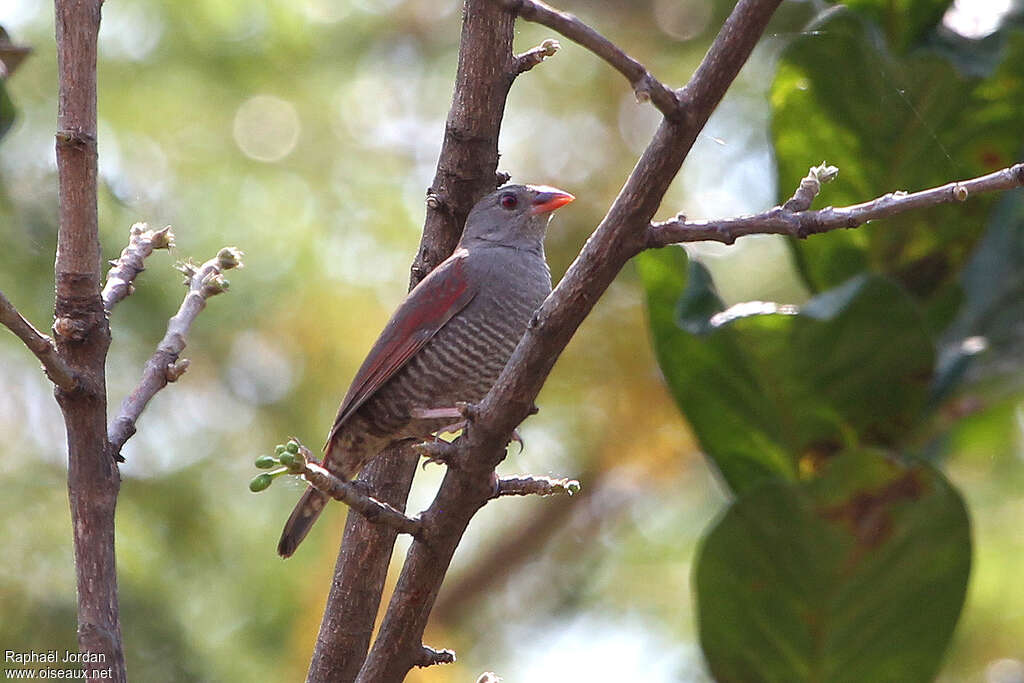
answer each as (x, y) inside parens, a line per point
(893, 121)
(306, 133)
(771, 390)
(832, 565)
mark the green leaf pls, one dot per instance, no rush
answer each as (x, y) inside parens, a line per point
(906, 23)
(993, 285)
(7, 111)
(769, 389)
(857, 576)
(892, 122)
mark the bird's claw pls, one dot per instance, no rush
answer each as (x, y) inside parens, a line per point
(437, 452)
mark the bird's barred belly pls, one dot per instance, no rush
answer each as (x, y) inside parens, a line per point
(460, 363)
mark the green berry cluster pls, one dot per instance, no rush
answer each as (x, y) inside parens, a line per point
(287, 459)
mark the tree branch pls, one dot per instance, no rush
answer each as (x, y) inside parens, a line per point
(794, 219)
(536, 55)
(141, 243)
(350, 494)
(163, 366)
(430, 657)
(361, 571)
(82, 337)
(40, 344)
(535, 486)
(466, 170)
(621, 235)
(646, 86)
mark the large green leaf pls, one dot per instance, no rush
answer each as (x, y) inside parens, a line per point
(993, 306)
(7, 110)
(906, 23)
(892, 121)
(857, 576)
(769, 388)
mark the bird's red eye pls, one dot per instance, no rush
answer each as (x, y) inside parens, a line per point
(509, 201)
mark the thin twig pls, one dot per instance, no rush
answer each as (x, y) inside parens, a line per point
(123, 271)
(428, 656)
(781, 220)
(59, 372)
(536, 55)
(535, 486)
(349, 494)
(646, 86)
(163, 366)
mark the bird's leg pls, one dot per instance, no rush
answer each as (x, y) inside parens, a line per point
(437, 452)
(434, 413)
(441, 414)
(460, 410)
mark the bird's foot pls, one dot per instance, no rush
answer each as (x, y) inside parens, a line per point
(462, 410)
(437, 452)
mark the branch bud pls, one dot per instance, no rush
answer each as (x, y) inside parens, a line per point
(230, 257)
(162, 238)
(175, 370)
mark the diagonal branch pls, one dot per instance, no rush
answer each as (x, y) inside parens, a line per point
(620, 236)
(59, 372)
(163, 366)
(794, 218)
(123, 271)
(535, 486)
(348, 493)
(428, 656)
(646, 86)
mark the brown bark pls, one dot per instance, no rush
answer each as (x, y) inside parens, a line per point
(466, 170)
(83, 336)
(620, 236)
(360, 573)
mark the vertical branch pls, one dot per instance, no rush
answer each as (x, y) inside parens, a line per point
(82, 336)
(466, 170)
(621, 235)
(360, 572)
(467, 166)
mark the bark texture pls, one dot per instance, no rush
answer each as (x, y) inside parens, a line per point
(82, 336)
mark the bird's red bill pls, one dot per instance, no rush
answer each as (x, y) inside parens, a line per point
(550, 199)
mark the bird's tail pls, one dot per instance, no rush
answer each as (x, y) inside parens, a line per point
(298, 525)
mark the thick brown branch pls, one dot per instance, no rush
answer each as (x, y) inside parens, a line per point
(466, 170)
(350, 494)
(535, 486)
(361, 571)
(82, 336)
(781, 220)
(38, 343)
(123, 271)
(621, 235)
(163, 366)
(646, 86)
(467, 167)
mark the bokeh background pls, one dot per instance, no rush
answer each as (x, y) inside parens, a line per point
(306, 133)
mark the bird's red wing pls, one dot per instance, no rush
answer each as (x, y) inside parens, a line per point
(442, 294)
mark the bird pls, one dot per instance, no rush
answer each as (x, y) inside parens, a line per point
(446, 343)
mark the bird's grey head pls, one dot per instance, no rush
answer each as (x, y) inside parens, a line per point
(514, 216)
